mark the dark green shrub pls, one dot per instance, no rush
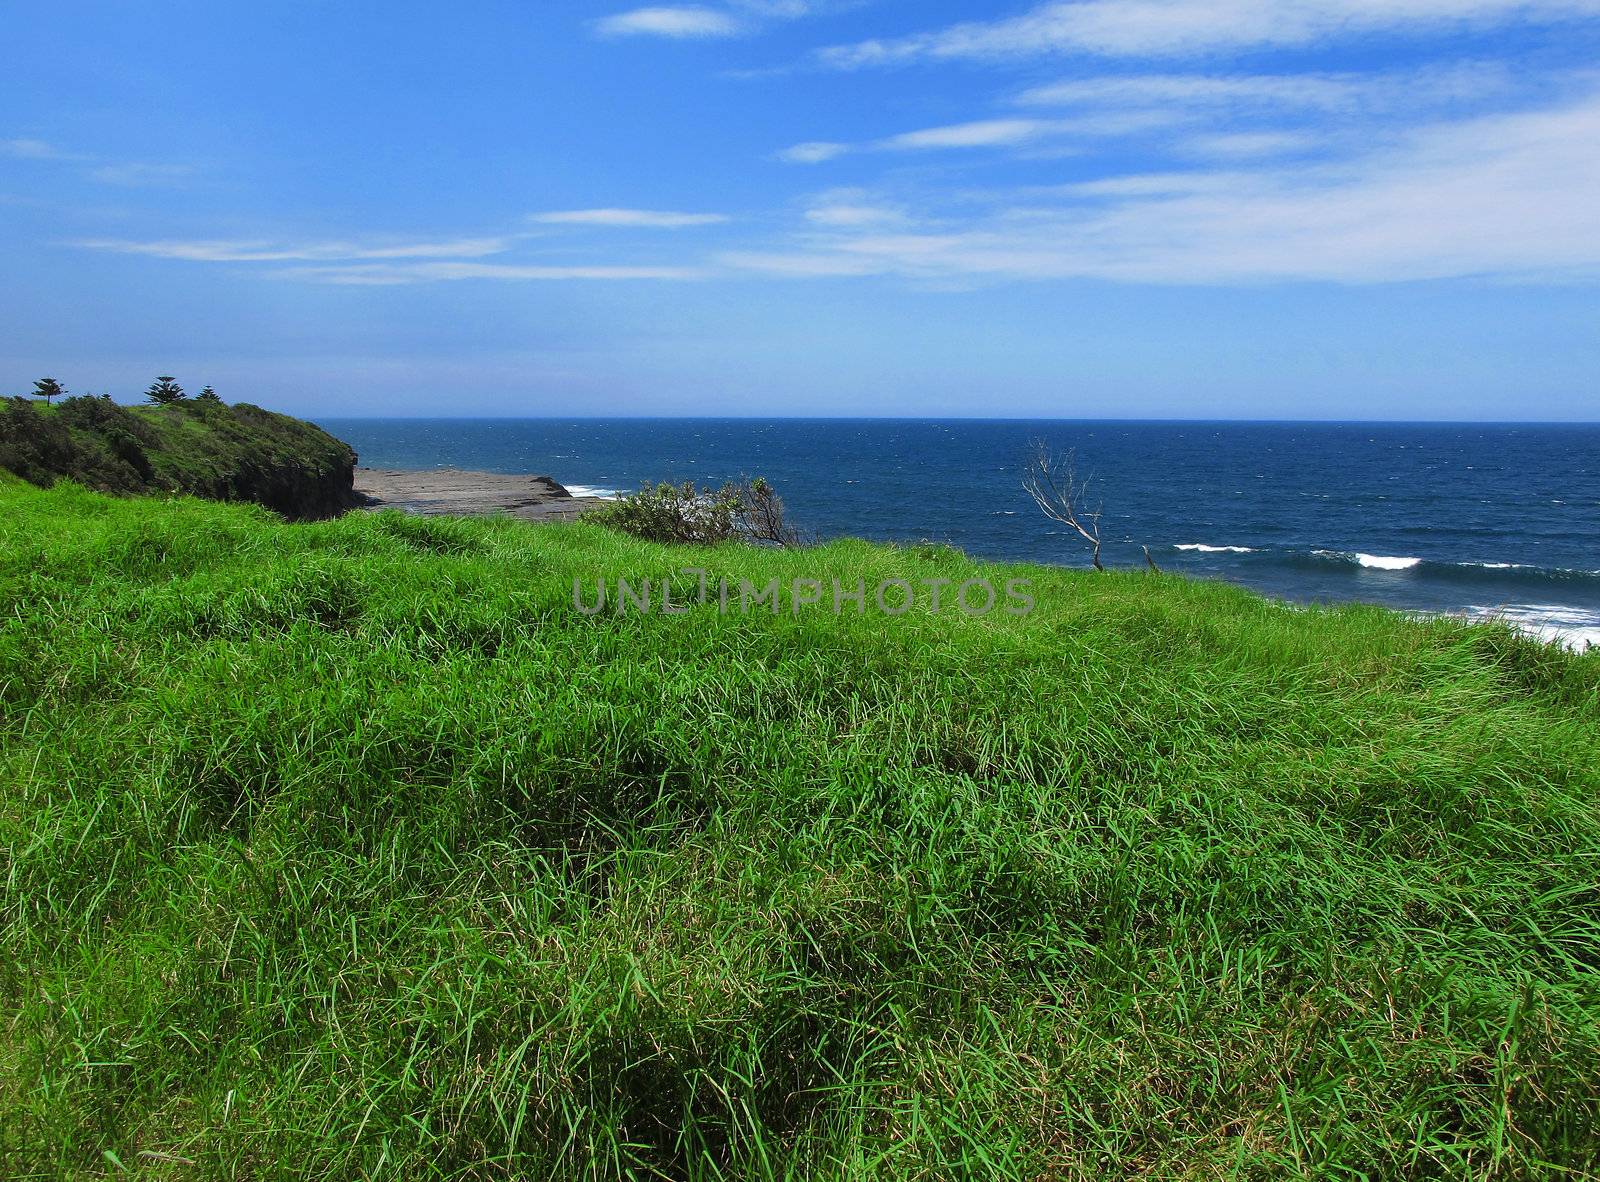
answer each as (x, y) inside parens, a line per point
(672, 513)
(747, 510)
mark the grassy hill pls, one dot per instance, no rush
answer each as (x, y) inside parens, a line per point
(352, 849)
(207, 449)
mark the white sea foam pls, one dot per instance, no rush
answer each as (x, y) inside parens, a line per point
(589, 490)
(1371, 561)
(1554, 623)
(1205, 549)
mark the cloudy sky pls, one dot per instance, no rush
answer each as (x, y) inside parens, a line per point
(1097, 208)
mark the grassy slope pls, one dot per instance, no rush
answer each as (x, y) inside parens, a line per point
(350, 847)
(228, 453)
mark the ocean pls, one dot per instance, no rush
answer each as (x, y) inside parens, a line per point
(1477, 519)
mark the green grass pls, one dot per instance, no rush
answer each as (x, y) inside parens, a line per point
(352, 850)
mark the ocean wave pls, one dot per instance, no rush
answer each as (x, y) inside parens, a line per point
(589, 490)
(1370, 561)
(1499, 573)
(1554, 623)
(1527, 575)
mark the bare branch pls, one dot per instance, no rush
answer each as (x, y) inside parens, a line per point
(1052, 482)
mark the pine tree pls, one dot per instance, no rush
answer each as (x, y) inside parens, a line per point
(48, 388)
(209, 395)
(164, 390)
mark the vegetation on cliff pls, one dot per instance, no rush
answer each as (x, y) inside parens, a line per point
(197, 446)
(352, 849)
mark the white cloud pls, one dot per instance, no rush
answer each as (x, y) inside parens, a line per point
(392, 275)
(851, 207)
(786, 10)
(140, 176)
(812, 152)
(992, 133)
(690, 22)
(1502, 196)
(1130, 28)
(389, 264)
(1507, 196)
(685, 21)
(1305, 90)
(211, 251)
(983, 133)
(1240, 145)
(1155, 184)
(1469, 81)
(636, 218)
(25, 149)
(131, 174)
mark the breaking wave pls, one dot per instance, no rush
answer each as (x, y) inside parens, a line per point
(1370, 561)
(1571, 627)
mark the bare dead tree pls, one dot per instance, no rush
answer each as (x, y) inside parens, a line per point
(760, 515)
(1052, 482)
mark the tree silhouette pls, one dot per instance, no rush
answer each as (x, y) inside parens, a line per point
(209, 395)
(48, 388)
(164, 391)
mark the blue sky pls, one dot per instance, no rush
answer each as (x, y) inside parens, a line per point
(1104, 208)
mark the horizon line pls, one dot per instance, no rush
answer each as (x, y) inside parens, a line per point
(353, 418)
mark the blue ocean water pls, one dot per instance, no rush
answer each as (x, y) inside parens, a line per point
(1501, 519)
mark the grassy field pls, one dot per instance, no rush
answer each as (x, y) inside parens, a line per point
(352, 850)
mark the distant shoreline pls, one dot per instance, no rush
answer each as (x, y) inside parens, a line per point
(461, 492)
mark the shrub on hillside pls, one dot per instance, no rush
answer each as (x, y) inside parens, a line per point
(745, 510)
(91, 440)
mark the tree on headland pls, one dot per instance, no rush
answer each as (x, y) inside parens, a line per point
(164, 391)
(208, 395)
(1053, 484)
(48, 388)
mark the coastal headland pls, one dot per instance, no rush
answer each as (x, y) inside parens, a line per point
(457, 492)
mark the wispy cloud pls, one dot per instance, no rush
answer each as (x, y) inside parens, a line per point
(990, 133)
(127, 174)
(1240, 145)
(696, 21)
(1215, 202)
(1306, 90)
(636, 218)
(983, 133)
(811, 152)
(1133, 28)
(1507, 196)
(266, 250)
(840, 208)
(258, 251)
(418, 261)
(1434, 85)
(26, 149)
(395, 274)
(141, 176)
(679, 23)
